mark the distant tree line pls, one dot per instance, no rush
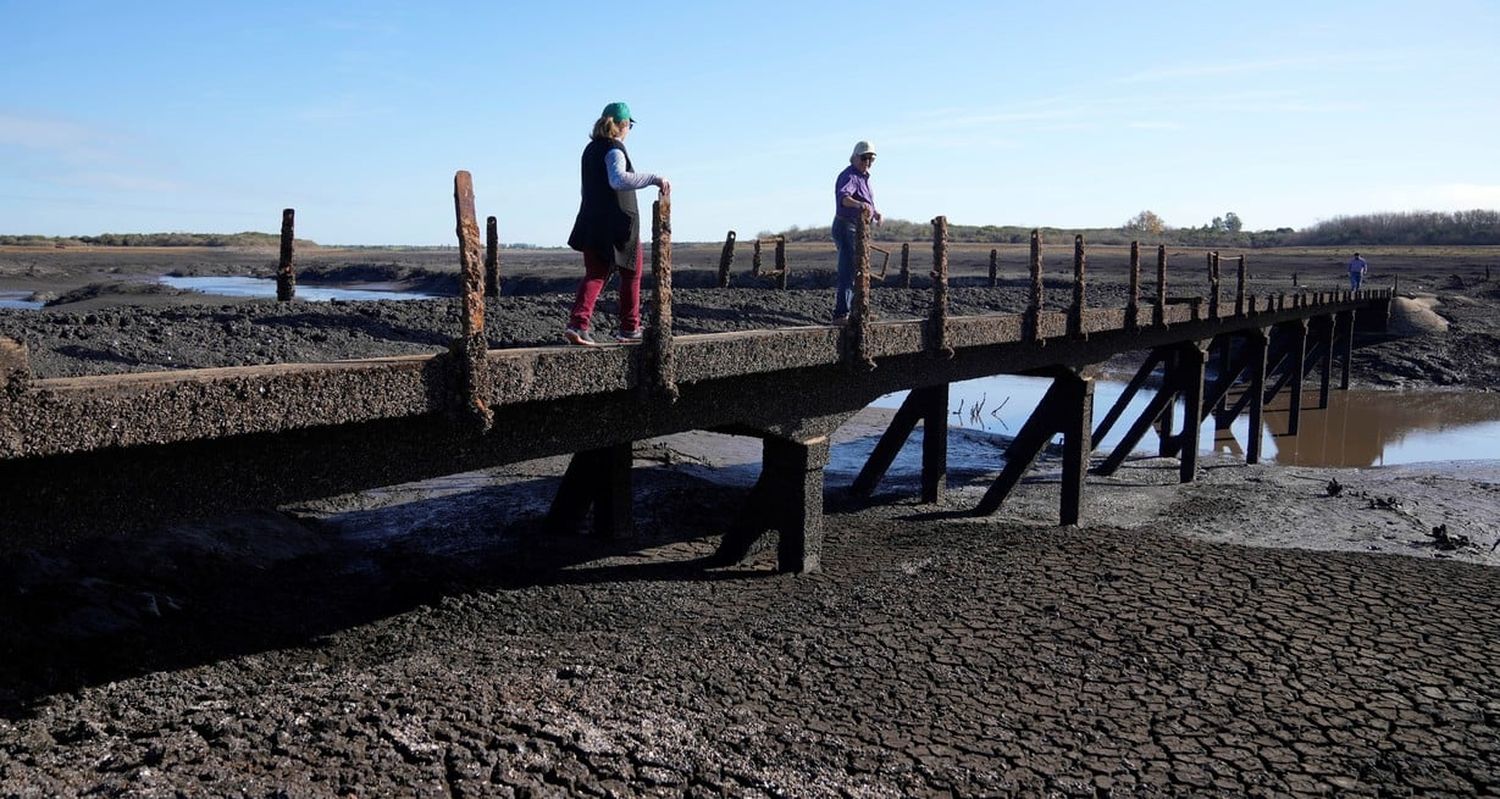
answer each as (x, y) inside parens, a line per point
(1409, 228)
(246, 239)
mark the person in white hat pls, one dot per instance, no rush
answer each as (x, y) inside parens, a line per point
(852, 196)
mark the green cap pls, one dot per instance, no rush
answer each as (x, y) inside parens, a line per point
(619, 112)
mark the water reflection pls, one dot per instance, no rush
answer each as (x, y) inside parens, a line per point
(1358, 429)
(266, 287)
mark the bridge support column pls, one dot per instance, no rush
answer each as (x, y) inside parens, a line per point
(1191, 360)
(787, 498)
(1067, 408)
(1325, 343)
(929, 405)
(1258, 345)
(1298, 366)
(597, 480)
(1345, 334)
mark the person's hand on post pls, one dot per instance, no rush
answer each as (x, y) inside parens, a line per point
(665, 186)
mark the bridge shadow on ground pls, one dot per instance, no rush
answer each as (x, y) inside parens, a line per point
(113, 608)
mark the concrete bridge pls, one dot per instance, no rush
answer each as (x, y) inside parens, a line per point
(128, 451)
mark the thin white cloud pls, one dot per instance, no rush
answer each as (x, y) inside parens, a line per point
(1154, 125)
(1189, 71)
(1443, 197)
(68, 140)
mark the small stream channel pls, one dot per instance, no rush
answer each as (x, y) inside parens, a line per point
(236, 286)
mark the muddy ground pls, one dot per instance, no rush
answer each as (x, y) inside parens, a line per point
(432, 640)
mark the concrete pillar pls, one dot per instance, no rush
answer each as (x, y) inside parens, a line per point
(1190, 369)
(1346, 346)
(1325, 336)
(938, 318)
(1080, 288)
(658, 353)
(1075, 417)
(795, 496)
(1298, 364)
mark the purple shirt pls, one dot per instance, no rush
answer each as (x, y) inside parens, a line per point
(1357, 265)
(851, 183)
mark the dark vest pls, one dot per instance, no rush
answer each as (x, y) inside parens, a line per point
(609, 222)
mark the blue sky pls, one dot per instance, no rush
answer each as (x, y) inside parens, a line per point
(212, 117)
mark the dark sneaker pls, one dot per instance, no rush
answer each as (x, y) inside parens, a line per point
(633, 337)
(840, 321)
(580, 337)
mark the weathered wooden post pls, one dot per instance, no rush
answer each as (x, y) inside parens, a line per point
(782, 271)
(994, 267)
(1298, 362)
(1213, 285)
(470, 349)
(1075, 314)
(857, 355)
(755, 259)
(1133, 305)
(286, 271)
(1161, 285)
(726, 259)
(1191, 359)
(1258, 345)
(1033, 319)
(906, 264)
(938, 321)
(661, 366)
(491, 258)
(1239, 291)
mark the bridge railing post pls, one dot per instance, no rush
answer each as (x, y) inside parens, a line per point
(906, 264)
(286, 271)
(994, 267)
(471, 348)
(726, 260)
(938, 319)
(782, 272)
(1239, 291)
(658, 352)
(1033, 322)
(1161, 285)
(1080, 288)
(491, 257)
(755, 259)
(1213, 285)
(1133, 305)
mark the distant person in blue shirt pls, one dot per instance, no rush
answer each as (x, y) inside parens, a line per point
(851, 196)
(1357, 267)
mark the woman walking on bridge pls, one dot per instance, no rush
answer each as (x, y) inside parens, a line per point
(608, 228)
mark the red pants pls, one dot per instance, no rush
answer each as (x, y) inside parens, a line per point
(595, 272)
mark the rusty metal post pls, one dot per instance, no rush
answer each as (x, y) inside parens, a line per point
(1033, 320)
(1161, 285)
(286, 271)
(660, 359)
(755, 259)
(781, 267)
(906, 264)
(726, 260)
(471, 348)
(994, 267)
(857, 354)
(491, 258)
(1239, 291)
(1133, 305)
(1213, 285)
(938, 320)
(1075, 313)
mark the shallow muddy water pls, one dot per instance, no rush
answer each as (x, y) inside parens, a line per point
(18, 299)
(233, 286)
(1358, 429)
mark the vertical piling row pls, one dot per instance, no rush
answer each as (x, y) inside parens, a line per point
(491, 258)
(938, 321)
(857, 355)
(660, 360)
(1075, 313)
(906, 264)
(726, 260)
(994, 267)
(471, 348)
(286, 271)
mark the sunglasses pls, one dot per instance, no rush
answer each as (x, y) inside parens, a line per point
(869, 157)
